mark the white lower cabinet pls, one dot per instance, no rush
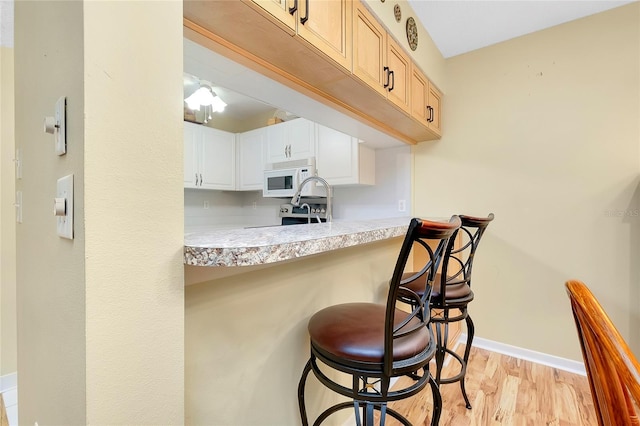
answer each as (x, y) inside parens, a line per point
(209, 158)
(341, 160)
(251, 159)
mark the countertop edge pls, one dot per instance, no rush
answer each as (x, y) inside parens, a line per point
(277, 244)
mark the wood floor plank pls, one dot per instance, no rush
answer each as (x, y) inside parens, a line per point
(505, 391)
(4, 420)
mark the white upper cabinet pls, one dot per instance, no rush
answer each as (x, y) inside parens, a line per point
(291, 140)
(215, 159)
(209, 158)
(192, 141)
(341, 160)
(251, 159)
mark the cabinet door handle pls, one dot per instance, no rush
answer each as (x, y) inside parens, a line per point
(200, 179)
(196, 179)
(430, 109)
(305, 18)
(293, 9)
(393, 80)
(386, 71)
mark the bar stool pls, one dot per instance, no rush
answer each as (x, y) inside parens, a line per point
(454, 293)
(374, 343)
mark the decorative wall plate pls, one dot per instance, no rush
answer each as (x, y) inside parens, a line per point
(397, 12)
(412, 33)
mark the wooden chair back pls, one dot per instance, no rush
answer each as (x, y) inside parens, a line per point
(612, 369)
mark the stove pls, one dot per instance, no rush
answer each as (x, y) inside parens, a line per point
(296, 215)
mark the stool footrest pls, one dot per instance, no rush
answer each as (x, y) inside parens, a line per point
(463, 369)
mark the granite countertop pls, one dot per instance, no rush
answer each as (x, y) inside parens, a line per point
(269, 244)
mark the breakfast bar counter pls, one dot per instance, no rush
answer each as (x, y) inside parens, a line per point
(269, 244)
(248, 304)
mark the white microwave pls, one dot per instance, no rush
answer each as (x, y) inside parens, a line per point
(285, 182)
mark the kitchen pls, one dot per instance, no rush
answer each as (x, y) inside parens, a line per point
(388, 174)
(522, 136)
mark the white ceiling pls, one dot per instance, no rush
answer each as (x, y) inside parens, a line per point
(460, 26)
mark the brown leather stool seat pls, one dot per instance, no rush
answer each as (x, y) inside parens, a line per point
(376, 343)
(340, 333)
(457, 292)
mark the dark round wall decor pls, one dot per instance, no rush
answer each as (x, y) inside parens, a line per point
(397, 12)
(412, 33)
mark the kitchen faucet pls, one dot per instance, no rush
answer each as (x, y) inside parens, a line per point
(308, 211)
(296, 197)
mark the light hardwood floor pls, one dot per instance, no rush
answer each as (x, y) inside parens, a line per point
(4, 421)
(506, 391)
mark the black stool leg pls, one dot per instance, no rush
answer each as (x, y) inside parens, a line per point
(440, 351)
(467, 351)
(301, 386)
(437, 401)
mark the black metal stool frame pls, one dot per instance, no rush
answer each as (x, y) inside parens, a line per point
(472, 230)
(370, 387)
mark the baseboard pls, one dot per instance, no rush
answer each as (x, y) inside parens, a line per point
(564, 364)
(8, 381)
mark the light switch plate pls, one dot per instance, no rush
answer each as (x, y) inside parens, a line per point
(61, 122)
(18, 163)
(18, 205)
(64, 189)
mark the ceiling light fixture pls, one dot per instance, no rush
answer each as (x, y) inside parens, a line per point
(205, 96)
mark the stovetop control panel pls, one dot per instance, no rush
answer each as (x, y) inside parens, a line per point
(302, 211)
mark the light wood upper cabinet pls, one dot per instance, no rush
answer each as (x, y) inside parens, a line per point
(425, 101)
(399, 75)
(278, 9)
(369, 52)
(378, 60)
(325, 24)
(435, 104)
(335, 51)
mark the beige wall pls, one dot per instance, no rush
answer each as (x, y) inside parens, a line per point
(426, 55)
(50, 298)
(8, 354)
(246, 340)
(543, 130)
(100, 318)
